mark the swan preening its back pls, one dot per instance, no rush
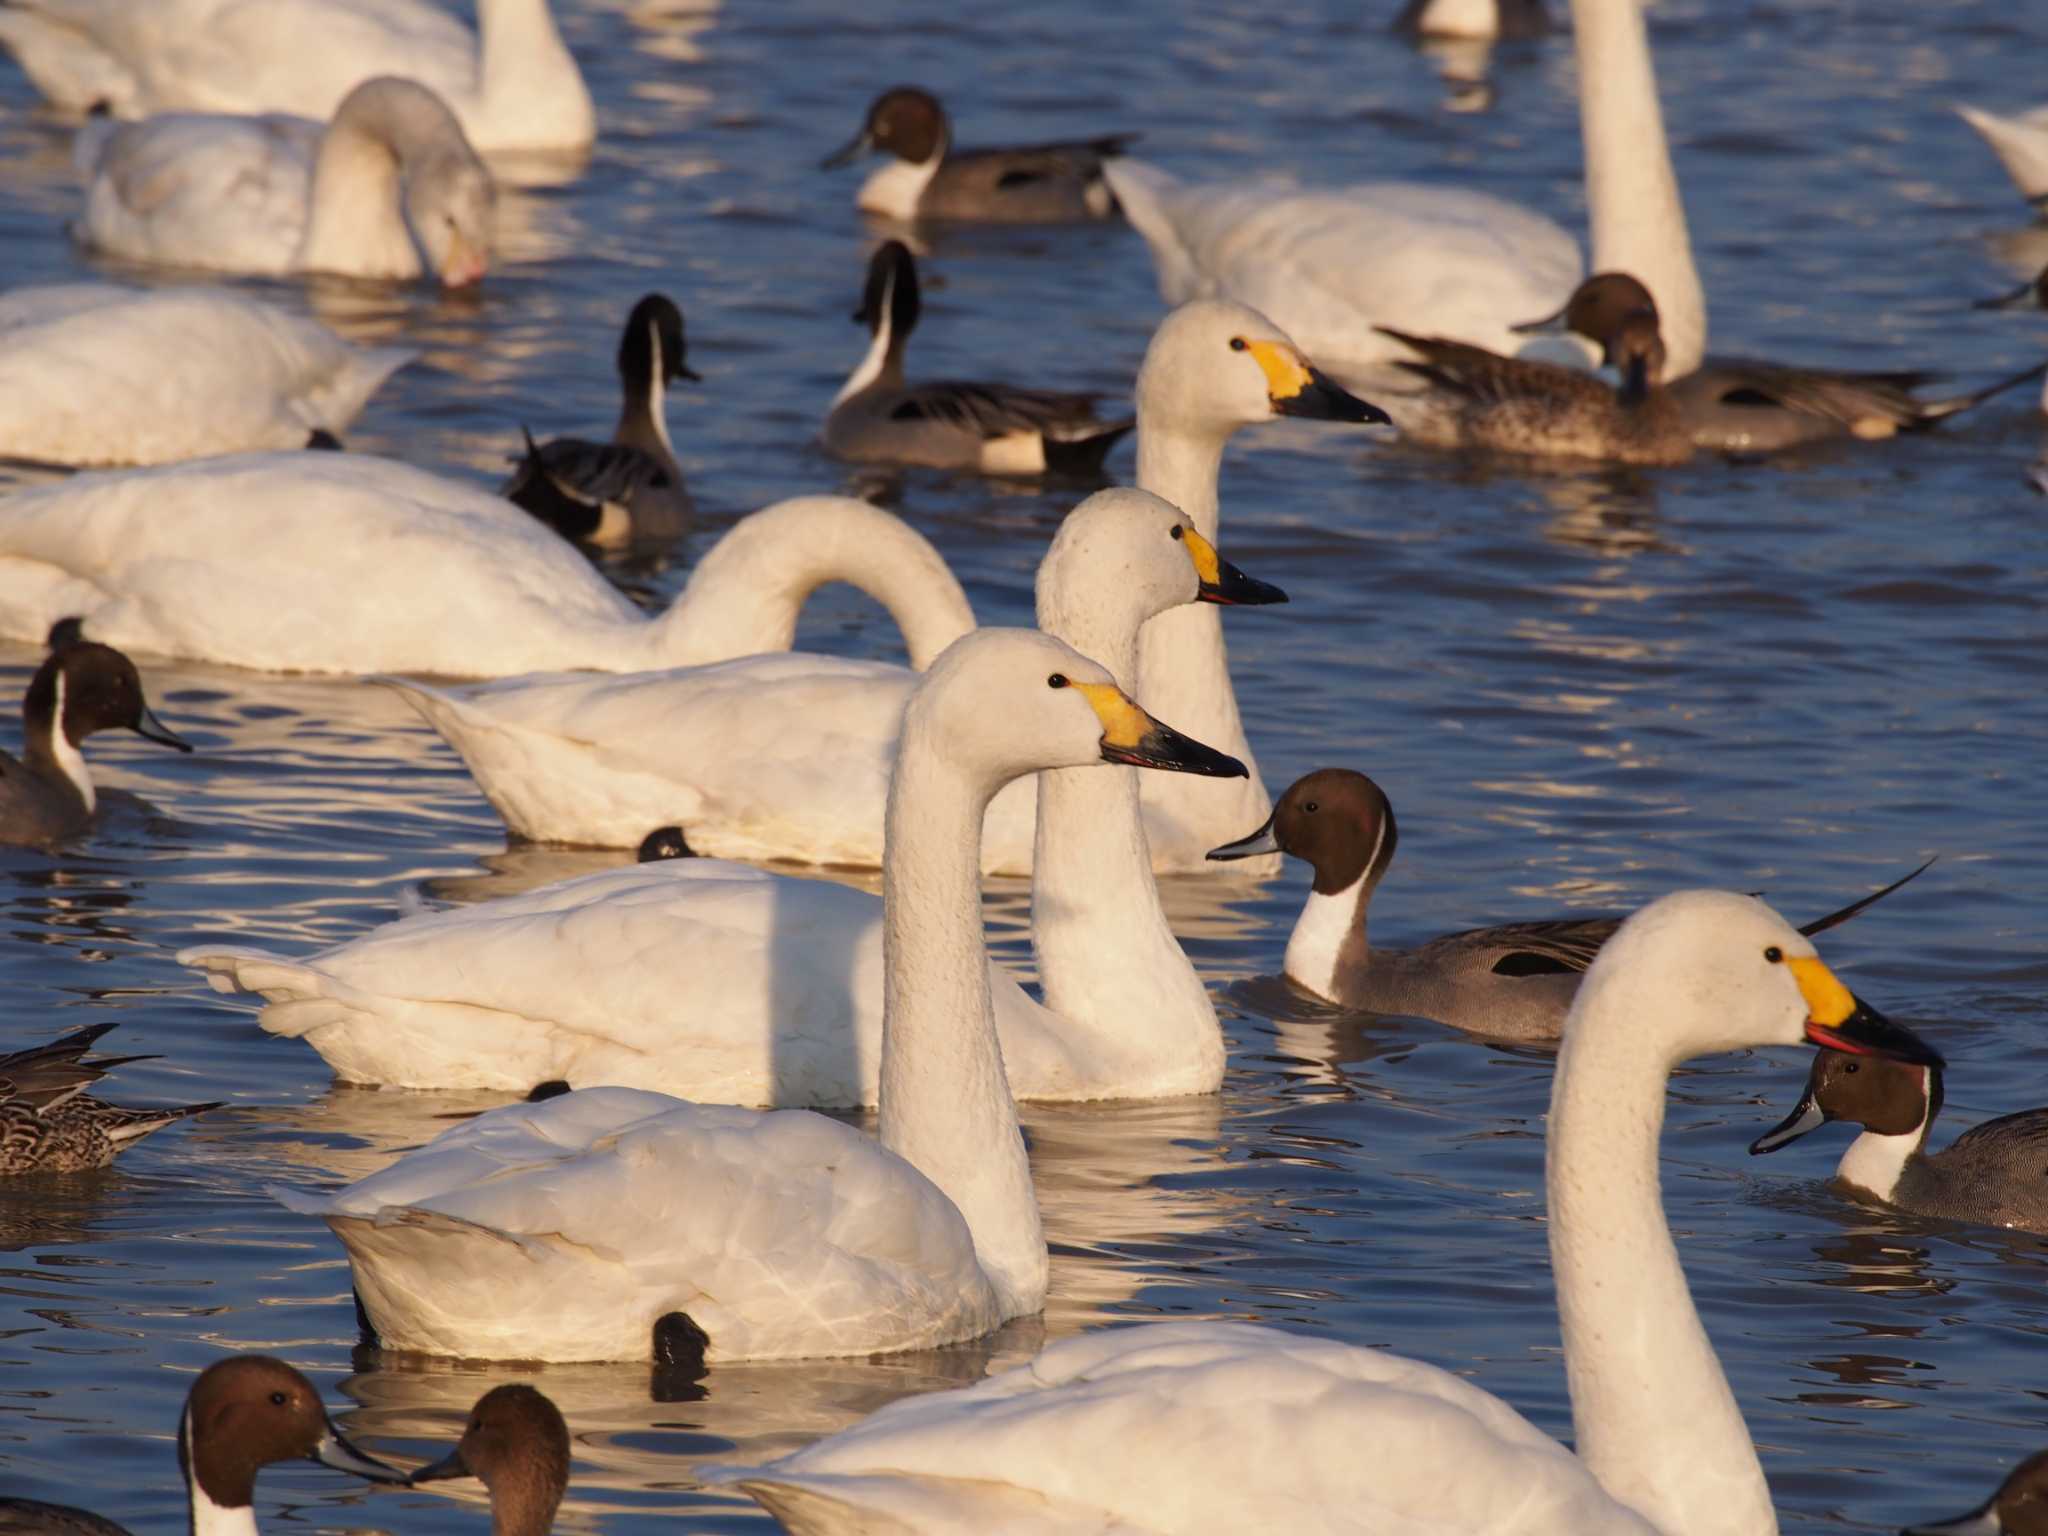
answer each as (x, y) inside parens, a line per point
(604, 1220)
(1211, 1427)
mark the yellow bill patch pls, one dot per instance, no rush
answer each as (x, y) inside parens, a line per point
(1286, 374)
(1827, 1001)
(1123, 723)
(1208, 564)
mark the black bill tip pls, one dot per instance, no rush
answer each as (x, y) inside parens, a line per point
(1165, 748)
(1866, 1032)
(1323, 400)
(1233, 589)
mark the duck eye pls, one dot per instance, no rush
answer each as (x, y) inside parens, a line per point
(1057, 680)
(1309, 806)
(277, 1398)
(1174, 532)
(1774, 954)
(1237, 343)
(1851, 1067)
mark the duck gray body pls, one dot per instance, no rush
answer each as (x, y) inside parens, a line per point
(48, 1124)
(47, 794)
(2019, 1508)
(1059, 182)
(881, 418)
(1742, 405)
(630, 488)
(1994, 1174)
(1513, 981)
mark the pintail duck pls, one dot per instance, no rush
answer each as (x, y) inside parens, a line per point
(48, 1124)
(631, 487)
(1741, 405)
(243, 1414)
(517, 1445)
(47, 795)
(1514, 981)
(1995, 1173)
(2019, 1508)
(929, 179)
(998, 429)
(1479, 399)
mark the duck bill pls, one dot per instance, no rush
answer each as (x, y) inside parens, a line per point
(1132, 737)
(1249, 846)
(1981, 1521)
(1806, 1116)
(1223, 583)
(149, 728)
(447, 1468)
(1842, 1021)
(335, 1451)
(2023, 297)
(1549, 325)
(858, 145)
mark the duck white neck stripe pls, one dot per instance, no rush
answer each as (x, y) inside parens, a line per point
(69, 758)
(871, 366)
(209, 1518)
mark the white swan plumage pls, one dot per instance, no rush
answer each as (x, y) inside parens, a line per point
(717, 981)
(388, 188)
(574, 1228)
(1212, 1427)
(345, 563)
(2020, 140)
(1328, 265)
(100, 374)
(514, 87)
(785, 772)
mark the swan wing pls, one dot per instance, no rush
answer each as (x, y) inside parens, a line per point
(586, 1219)
(1199, 1427)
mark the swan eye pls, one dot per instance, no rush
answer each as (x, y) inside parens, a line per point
(1774, 954)
(1174, 532)
(1237, 343)
(1057, 680)
(277, 1398)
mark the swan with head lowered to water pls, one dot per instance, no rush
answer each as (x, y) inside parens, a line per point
(1204, 1428)
(613, 1223)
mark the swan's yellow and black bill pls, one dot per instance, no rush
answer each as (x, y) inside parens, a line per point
(1842, 1021)
(1296, 389)
(1129, 735)
(1250, 846)
(1223, 583)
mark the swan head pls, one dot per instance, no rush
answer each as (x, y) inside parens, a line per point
(451, 203)
(1215, 365)
(1702, 972)
(1124, 555)
(905, 122)
(1001, 703)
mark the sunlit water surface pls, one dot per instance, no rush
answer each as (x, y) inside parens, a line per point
(1580, 690)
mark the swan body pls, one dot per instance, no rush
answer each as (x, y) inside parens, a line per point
(2020, 141)
(717, 981)
(339, 562)
(97, 374)
(388, 189)
(789, 760)
(583, 1227)
(515, 88)
(1212, 1427)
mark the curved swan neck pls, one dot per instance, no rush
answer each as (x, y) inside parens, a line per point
(353, 218)
(1183, 468)
(1654, 1417)
(1638, 217)
(945, 1101)
(746, 593)
(520, 54)
(1108, 962)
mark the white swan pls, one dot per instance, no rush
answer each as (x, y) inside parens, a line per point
(339, 562)
(95, 373)
(2021, 143)
(791, 761)
(365, 194)
(722, 983)
(1212, 1427)
(1328, 265)
(514, 87)
(612, 1223)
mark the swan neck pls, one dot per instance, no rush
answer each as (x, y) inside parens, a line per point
(1184, 468)
(1638, 217)
(354, 222)
(746, 593)
(1652, 1411)
(518, 45)
(945, 1102)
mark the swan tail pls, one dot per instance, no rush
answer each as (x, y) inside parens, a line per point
(298, 997)
(2021, 147)
(1143, 193)
(337, 400)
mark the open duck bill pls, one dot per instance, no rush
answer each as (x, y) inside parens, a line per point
(1132, 737)
(1981, 1521)
(853, 148)
(1222, 583)
(149, 728)
(334, 1450)
(1249, 846)
(447, 1468)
